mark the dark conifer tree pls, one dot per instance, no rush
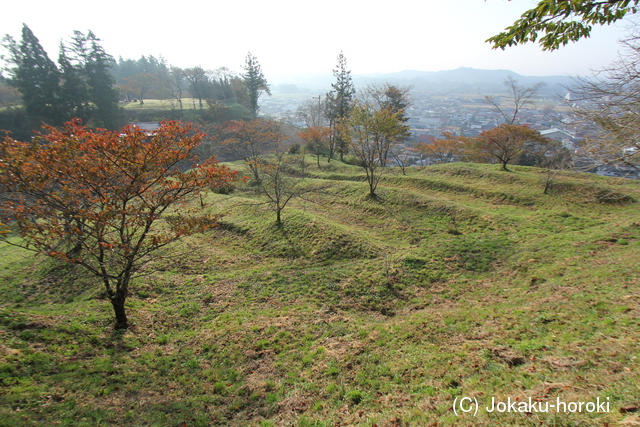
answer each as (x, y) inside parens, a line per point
(255, 81)
(94, 64)
(37, 78)
(102, 89)
(73, 88)
(338, 103)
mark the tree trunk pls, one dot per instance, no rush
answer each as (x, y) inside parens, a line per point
(121, 315)
(547, 184)
(372, 188)
(118, 299)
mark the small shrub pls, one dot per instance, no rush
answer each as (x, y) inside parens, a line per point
(333, 370)
(262, 344)
(189, 309)
(351, 160)
(225, 189)
(613, 197)
(355, 396)
(295, 148)
(220, 388)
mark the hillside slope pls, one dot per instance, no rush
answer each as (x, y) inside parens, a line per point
(459, 281)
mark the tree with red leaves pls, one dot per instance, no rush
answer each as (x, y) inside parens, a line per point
(506, 142)
(105, 200)
(316, 139)
(250, 141)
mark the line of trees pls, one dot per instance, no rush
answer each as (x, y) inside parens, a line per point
(150, 77)
(610, 97)
(88, 83)
(505, 144)
(367, 126)
(79, 85)
(101, 199)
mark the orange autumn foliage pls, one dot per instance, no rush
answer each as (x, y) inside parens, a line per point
(316, 139)
(101, 199)
(447, 150)
(250, 141)
(506, 143)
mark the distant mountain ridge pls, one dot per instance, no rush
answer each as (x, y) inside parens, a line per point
(463, 78)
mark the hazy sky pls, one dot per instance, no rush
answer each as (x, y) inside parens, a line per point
(291, 37)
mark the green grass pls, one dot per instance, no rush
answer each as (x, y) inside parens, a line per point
(459, 280)
(161, 109)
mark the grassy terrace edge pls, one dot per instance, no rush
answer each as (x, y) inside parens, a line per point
(459, 280)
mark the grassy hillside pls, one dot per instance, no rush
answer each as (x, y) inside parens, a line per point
(459, 281)
(162, 109)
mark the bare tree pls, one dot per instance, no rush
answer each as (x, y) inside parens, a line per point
(562, 162)
(280, 184)
(312, 113)
(402, 158)
(174, 83)
(610, 101)
(250, 141)
(197, 78)
(519, 96)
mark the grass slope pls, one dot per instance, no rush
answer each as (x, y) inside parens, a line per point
(458, 281)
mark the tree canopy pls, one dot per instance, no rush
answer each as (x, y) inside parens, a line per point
(255, 81)
(370, 133)
(505, 142)
(338, 104)
(443, 150)
(609, 100)
(82, 86)
(555, 23)
(36, 76)
(101, 199)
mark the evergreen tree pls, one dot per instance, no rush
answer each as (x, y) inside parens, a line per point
(255, 81)
(102, 90)
(73, 88)
(94, 64)
(124, 68)
(395, 98)
(36, 77)
(338, 104)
